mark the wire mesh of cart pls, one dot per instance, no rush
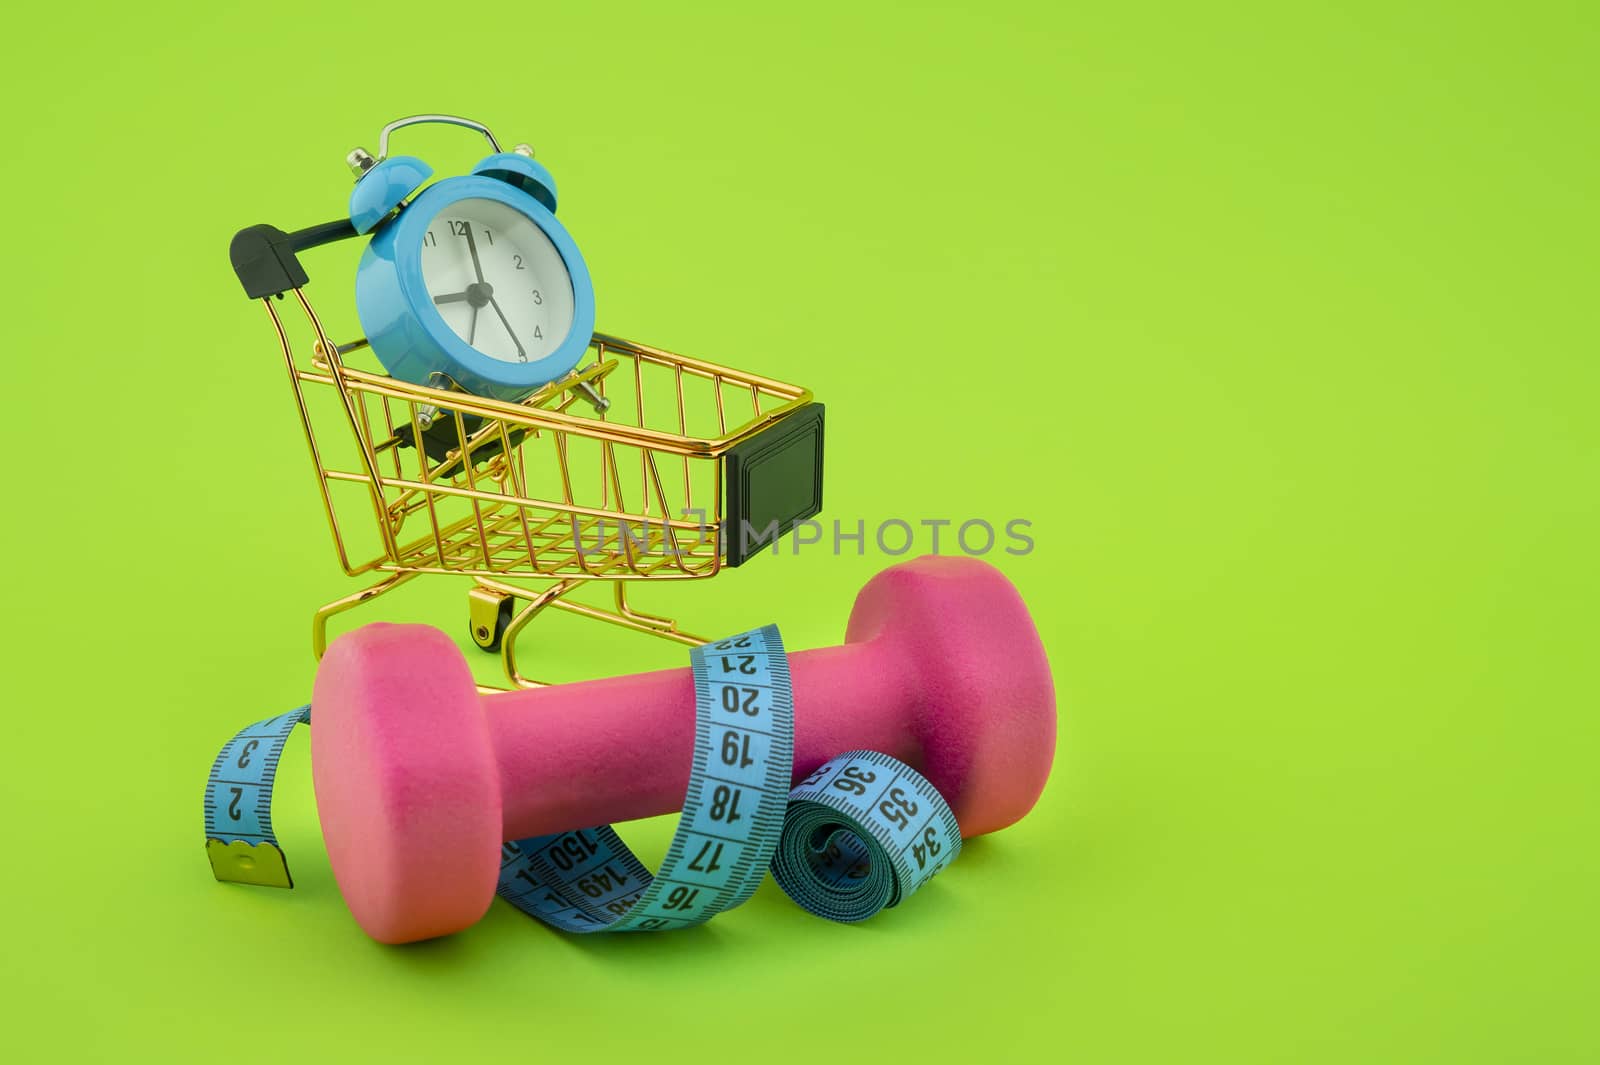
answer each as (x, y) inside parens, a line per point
(639, 465)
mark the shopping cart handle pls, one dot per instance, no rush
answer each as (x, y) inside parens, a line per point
(264, 256)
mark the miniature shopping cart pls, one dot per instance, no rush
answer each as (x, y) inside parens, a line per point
(638, 465)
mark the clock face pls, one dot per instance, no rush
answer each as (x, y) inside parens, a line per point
(497, 280)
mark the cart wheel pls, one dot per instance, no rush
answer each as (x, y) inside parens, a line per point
(479, 625)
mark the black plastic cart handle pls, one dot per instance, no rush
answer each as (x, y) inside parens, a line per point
(264, 256)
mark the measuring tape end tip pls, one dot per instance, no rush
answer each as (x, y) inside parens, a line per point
(240, 862)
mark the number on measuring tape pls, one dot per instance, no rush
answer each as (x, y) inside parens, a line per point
(589, 881)
(239, 839)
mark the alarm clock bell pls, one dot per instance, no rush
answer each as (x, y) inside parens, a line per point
(382, 185)
(517, 168)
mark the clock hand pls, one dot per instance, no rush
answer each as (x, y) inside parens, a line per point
(523, 355)
(473, 248)
(476, 295)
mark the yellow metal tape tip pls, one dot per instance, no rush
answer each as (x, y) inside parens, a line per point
(248, 863)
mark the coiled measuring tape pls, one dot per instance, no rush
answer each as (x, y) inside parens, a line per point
(861, 833)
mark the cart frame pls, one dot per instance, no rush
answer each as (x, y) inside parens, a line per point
(518, 544)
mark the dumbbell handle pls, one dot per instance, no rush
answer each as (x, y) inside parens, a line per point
(600, 751)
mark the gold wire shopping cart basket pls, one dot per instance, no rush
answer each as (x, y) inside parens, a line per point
(639, 465)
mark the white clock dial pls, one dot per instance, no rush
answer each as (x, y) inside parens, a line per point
(497, 280)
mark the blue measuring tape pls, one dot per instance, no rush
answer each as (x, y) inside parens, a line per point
(239, 839)
(588, 881)
(861, 833)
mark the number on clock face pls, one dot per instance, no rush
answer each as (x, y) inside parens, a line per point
(497, 280)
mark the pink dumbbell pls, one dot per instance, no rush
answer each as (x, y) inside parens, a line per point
(419, 777)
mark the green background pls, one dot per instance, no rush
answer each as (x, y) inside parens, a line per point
(1275, 320)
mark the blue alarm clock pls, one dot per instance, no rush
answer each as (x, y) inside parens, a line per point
(473, 278)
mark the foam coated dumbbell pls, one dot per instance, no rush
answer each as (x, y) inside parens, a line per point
(419, 777)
